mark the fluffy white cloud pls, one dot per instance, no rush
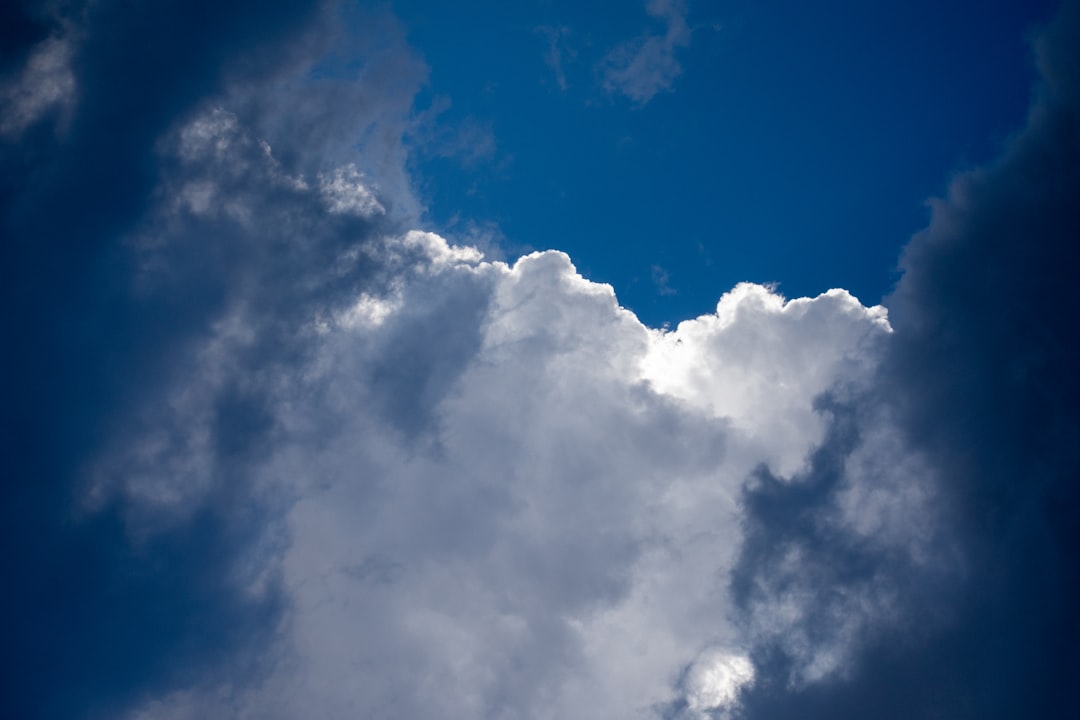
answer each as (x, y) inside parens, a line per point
(757, 357)
(495, 494)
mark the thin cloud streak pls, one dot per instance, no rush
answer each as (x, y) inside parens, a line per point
(559, 53)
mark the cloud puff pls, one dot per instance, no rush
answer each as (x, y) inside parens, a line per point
(714, 680)
(643, 67)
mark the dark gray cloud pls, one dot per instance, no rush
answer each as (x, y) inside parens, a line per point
(980, 381)
(139, 257)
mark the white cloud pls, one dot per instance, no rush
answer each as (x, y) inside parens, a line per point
(765, 357)
(715, 679)
(555, 539)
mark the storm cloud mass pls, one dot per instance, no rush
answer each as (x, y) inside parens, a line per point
(273, 450)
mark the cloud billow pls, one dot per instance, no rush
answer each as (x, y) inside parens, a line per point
(553, 538)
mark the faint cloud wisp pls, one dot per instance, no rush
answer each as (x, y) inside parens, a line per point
(558, 53)
(643, 67)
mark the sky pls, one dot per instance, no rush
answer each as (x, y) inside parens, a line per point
(783, 142)
(675, 360)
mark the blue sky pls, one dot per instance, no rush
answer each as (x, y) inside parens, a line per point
(770, 157)
(673, 360)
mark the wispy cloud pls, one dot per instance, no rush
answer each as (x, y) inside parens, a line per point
(647, 65)
(45, 83)
(467, 140)
(661, 279)
(558, 53)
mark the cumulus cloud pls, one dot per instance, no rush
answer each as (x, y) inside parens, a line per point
(541, 520)
(643, 67)
(476, 489)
